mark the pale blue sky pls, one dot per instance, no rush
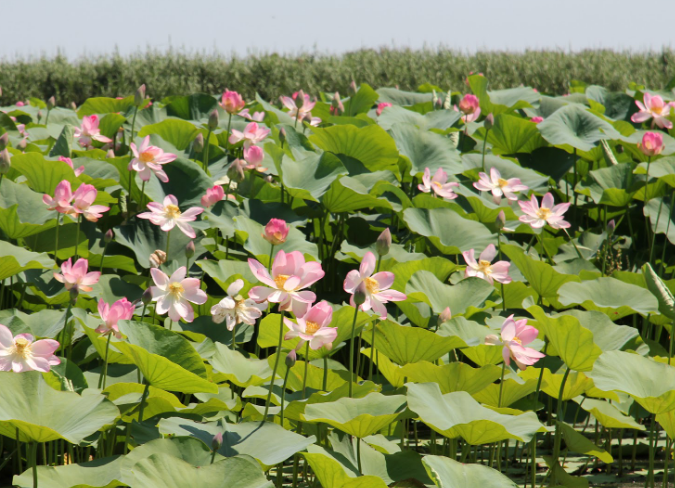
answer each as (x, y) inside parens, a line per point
(34, 27)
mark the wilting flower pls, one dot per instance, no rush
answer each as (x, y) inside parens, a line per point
(484, 268)
(149, 159)
(21, 354)
(253, 134)
(469, 106)
(381, 107)
(376, 286)
(213, 196)
(438, 184)
(499, 186)
(76, 276)
(122, 309)
(652, 144)
(232, 102)
(290, 274)
(89, 132)
(235, 309)
(313, 327)
(276, 231)
(536, 119)
(62, 200)
(83, 200)
(157, 258)
(294, 111)
(655, 107)
(69, 162)
(515, 335)
(174, 293)
(538, 217)
(257, 116)
(168, 214)
(254, 155)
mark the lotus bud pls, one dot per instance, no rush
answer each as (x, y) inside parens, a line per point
(190, 249)
(282, 136)
(489, 121)
(213, 120)
(352, 87)
(23, 143)
(73, 105)
(276, 231)
(445, 315)
(291, 358)
(4, 141)
(199, 143)
(337, 107)
(74, 293)
(300, 99)
(611, 225)
(157, 258)
(236, 170)
(5, 162)
(217, 441)
(51, 102)
(110, 154)
(39, 115)
(139, 96)
(360, 294)
(500, 222)
(146, 297)
(383, 243)
(108, 236)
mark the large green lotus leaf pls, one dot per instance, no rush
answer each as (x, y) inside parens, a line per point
(606, 334)
(127, 397)
(371, 145)
(143, 238)
(22, 212)
(332, 474)
(166, 359)
(650, 383)
(613, 186)
(437, 119)
(256, 244)
(663, 169)
(575, 385)
(610, 296)
(426, 149)
(359, 417)
(577, 442)
(296, 408)
(42, 414)
(361, 101)
(576, 127)
(335, 378)
(442, 227)
(455, 376)
(661, 217)
(448, 473)
(105, 105)
(196, 107)
(45, 323)
(401, 97)
(511, 134)
(573, 343)
(348, 194)
(15, 259)
(465, 297)
(608, 415)
(69, 237)
(110, 124)
(512, 391)
(178, 132)
(484, 354)
(310, 177)
(239, 369)
(224, 272)
(660, 291)
(457, 414)
(99, 341)
(465, 333)
(42, 174)
(501, 101)
(392, 372)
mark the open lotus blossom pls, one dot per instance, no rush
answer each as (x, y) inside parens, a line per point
(377, 286)
(76, 276)
(83, 200)
(536, 119)
(149, 159)
(484, 269)
(313, 327)
(381, 107)
(293, 110)
(253, 134)
(213, 196)
(499, 186)
(174, 293)
(515, 335)
(439, 184)
(254, 155)
(654, 107)
(652, 144)
(256, 117)
(235, 309)
(549, 214)
(24, 353)
(232, 102)
(62, 199)
(290, 274)
(470, 107)
(89, 132)
(276, 231)
(168, 214)
(69, 162)
(122, 309)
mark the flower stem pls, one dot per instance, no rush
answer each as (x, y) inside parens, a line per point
(234, 337)
(269, 263)
(484, 148)
(304, 379)
(283, 395)
(102, 379)
(227, 142)
(501, 386)
(559, 420)
(352, 379)
(143, 398)
(133, 125)
(142, 197)
(33, 462)
(574, 244)
(168, 241)
(324, 385)
(56, 244)
(77, 235)
(276, 366)
(206, 151)
(372, 352)
(105, 248)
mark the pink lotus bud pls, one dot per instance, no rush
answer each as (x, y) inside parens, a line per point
(157, 258)
(217, 441)
(236, 170)
(291, 358)
(232, 102)
(537, 119)
(51, 103)
(73, 105)
(4, 141)
(23, 143)
(381, 107)
(445, 315)
(20, 103)
(110, 154)
(501, 220)
(190, 249)
(336, 106)
(360, 294)
(652, 144)
(214, 119)
(5, 161)
(353, 88)
(108, 236)
(299, 98)
(383, 243)
(282, 136)
(199, 143)
(139, 96)
(489, 121)
(213, 196)
(469, 104)
(276, 231)
(146, 297)
(254, 155)
(611, 225)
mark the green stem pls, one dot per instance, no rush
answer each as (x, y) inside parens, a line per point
(33, 462)
(484, 148)
(234, 337)
(304, 379)
(269, 263)
(213, 456)
(105, 248)
(652, 445)
(56, 244)
(206, 151)
(372, 352)
(102, 379)
(324, 384)
(559, 420)
(501, 386)
(276, 366)
(656, 226)
(283, 395)
(352, 379)
(142, 196)
(548, 256)
(358, 454)
(133, 125)
(574, 244)
(227, 142)
(143, 398)
(131, 179)
(77, 235)
(168, 241)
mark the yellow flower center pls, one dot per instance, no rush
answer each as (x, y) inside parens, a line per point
(279, 236)
(280, 280)
(371, 285)
(484, 266)
(311, 327)
(502, 182)
(146, 157)
(437, 184)
(239, 302)
(22, 347)
(172, 211)
(658, 110)
(544, 213)
(176, 289)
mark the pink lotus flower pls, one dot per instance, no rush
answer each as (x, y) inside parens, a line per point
(168, 214)
(470, 107)
(655, 107)
(122, 309)
(293, 110)
(20, 353)
(174, 293)
(381, 107)
(83, 200)
(538, 217)
(213, 196)
(62, 200)
(313, 327)
(377, 286)
(438, 184)
(652, 144)
(20, 103)
(76, 276)
(235, 309)
(69, 162)
(232, 102)
(89, 132)
(149, 159)
(22, 129)
(515, 335)
(276, 231)
(253, 134)
(537, 119)
(499, 186)
(254, 155)
(483, 269)
(256, 117)
(290, 274)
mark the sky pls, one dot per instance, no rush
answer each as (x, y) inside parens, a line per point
(86, 27)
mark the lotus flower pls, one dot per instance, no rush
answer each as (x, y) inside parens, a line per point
(232, 102)
(122, 309)
(76, 276)
(438, 184)
(538, 217)
(655, 107)
(256, 117)
(469, 106)
(174, 293)
(23, 353)
(69, 162)
(313, 327)
(290, 274)
(83, 200)
(89, 132)
(213, 196)
(253, 134)
(515, 335)
(149, 159)
(62, 200)
(254, 155)
(276, 231)
(652, 144)
(484, 269)
(295, 112)
(235, 309)
(381, 107)
(376, 286)
(499, 186)
(537, 119)
(168, 214)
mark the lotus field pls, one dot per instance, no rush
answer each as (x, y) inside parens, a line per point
(388, 288)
